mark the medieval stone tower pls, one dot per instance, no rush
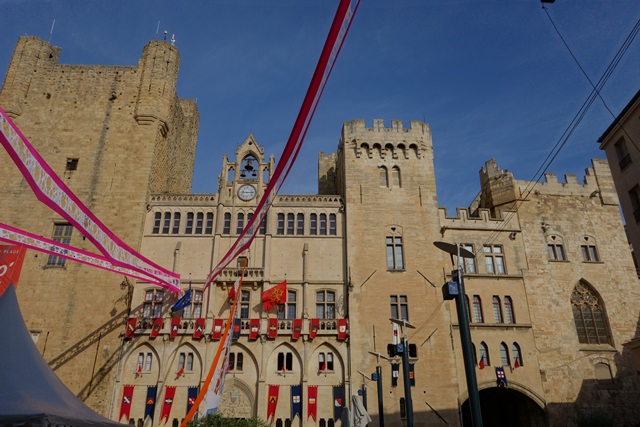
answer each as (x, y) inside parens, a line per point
(387, 180)
(114, 134)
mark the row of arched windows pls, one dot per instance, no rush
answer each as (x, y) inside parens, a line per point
(514, 359)
(170, 223)
(318, 225)
(557, 252)
(287, 224)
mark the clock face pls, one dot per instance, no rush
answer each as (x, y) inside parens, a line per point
(247, 192)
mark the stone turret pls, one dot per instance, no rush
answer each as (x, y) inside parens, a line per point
(31, 54)
(159, 67)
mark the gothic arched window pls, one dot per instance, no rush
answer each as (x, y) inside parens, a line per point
(589, 316)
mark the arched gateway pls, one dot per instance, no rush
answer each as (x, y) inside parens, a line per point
(506, 407)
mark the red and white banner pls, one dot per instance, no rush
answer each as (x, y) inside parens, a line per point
(272, 332)
(131, 327)
(169, 394)
(297, 329)
(313, 330)
(175, 325)
(52, 191)
(156, 328)
(217, 329)
(342, 329)
(337, 33)
(199, 329)
(254, 329)
(125, 405)
(312, 407)
(14, 235)
(272, 402)
(11, 258)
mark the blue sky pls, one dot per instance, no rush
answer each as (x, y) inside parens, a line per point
(491, 77)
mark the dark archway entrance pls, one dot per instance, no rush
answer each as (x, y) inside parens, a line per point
(504, 407)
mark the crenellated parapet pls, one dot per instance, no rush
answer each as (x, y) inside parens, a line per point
(501, 190)
(395, 142)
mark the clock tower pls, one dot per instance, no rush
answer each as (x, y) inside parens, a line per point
(242, 182)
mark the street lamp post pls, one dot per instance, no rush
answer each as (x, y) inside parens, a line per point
(379, 382)
(455, 290)
(405, 368)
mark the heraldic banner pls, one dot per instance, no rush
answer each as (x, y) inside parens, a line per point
(169, 394)
(125, 406)
(273, 401)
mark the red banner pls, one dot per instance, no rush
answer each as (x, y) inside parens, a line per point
(274, 296)
(273, 328)
(217, 329)
(312, 408)
(315, 325)
(297, 329)
(131, 327)
(254, 332)
(342, 329)
(11, 257)
(157, 326)
(273, 401)
(199, 330)
(169, 393)
(175, 325)
(125, 406)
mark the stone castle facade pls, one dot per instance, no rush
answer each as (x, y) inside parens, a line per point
(115, 135)
(552, 290)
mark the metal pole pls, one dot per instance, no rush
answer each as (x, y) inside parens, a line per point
(380, 406)
(467, 350)
(407, 384)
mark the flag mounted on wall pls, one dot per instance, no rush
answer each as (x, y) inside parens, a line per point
(273, 328)
(131, 327)
(199, 329)
(216, 334)
(175, 325)
(342, 329)
(315, 326)
(274, 296)
(296, 401)
(297, 329)
(192, 395)
(501, 377)
(312, 406)
(169, 394)
(481, 364)
(11, 258)
(157, 326)
(254, 330)
(125, 406)
(150, 405)
(237, 328)
(338, 401)
(273, 401)
(412, 374)
(395, 371)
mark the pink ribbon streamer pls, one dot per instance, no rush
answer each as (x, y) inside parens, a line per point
(333, 44)
(13, 235)
(50, 190)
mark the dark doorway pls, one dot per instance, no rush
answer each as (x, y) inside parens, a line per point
(504, 407)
